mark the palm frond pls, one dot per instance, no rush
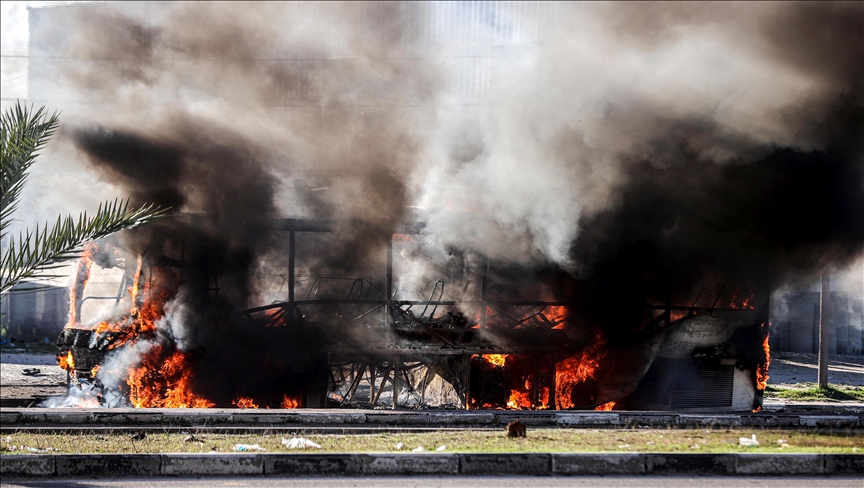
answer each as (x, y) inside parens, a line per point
(36, 251)
(23, 134)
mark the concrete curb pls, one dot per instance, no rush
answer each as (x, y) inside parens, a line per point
(532, 464)
(16, 418)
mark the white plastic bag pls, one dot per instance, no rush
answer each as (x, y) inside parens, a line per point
(299, 443)
(748, 442)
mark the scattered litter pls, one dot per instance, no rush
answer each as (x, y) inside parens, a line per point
(8, 439)
(400, 446)
(661, 436)
(33, 449)
(418, 449)
(299, 443)
(441, 448)
(748, 442)
(624, 446)
(190, 438)
(694, 446)
(650, 443)
(185, 432)
(248, 447)
(31, 371)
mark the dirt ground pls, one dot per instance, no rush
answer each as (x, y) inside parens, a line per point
(17, 382)
(786, 370)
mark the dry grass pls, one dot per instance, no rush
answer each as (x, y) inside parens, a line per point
(538, 440)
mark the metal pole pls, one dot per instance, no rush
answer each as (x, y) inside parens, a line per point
(824, 325)
(291, 251)
(396, 366)
(484, 272)
(388, 316)
(467, 382)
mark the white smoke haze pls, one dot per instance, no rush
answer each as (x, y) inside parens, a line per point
(363, 117)
(115, 367)
(173, 323)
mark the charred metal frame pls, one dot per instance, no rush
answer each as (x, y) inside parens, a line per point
(443, 348)
(382, 362)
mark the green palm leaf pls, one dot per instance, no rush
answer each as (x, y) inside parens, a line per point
(34, 253)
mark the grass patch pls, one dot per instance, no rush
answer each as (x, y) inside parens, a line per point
(538, 440)
(811, 392)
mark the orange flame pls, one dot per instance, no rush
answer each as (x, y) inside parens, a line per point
(556, 315)
(762, 369)
(519, 400)
(605, 406)
(163, 383)
(82, 276)
(66, 361)
(134, 289)
(244, 402)
(289, 402)
(495, 359)
(577, 369)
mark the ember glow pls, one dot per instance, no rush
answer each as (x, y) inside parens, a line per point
(605, 406)
(556, 315)
(288, 402)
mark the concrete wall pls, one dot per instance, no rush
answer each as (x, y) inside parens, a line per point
(795, 323)
(32, 313)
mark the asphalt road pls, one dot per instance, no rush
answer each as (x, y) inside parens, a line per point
(455, 481)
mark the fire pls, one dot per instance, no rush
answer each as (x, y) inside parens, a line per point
(495, 359)
(762, 369)
(519, 400)
(605, 406)
(163, 382)
(66, 361)
(577, 369)
(244, 402)
(135, 288)
(556, 315)
(289, 402)
(82, 276)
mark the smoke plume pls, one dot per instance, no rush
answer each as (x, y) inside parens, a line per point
(616, 152)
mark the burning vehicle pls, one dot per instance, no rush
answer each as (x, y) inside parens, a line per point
(514, 205)
(368, 348)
